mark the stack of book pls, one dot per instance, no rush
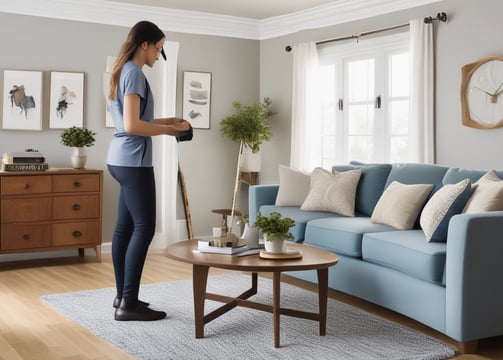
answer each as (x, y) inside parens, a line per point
(24, 161)
(208, 246)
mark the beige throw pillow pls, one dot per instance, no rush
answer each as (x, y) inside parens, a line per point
(487, 196)
(400, 205)
(333, 192)
(293, 187)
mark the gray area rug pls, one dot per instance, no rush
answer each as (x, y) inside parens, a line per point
(244, 333)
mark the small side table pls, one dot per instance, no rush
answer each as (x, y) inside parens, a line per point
(225, 213)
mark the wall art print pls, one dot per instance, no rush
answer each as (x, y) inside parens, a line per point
(196, 98)
(67, 100)
(22, 100)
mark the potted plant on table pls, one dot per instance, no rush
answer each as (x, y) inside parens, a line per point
(276, 230)
(78, 138)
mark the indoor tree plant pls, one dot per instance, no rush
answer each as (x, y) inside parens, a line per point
(276, 230)
(78, 138)
(248, 126)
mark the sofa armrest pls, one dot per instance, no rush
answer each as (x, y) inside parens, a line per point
(474, 265)
(259, 195)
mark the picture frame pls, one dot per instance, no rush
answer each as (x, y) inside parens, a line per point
(22, 100)
(67, 100)
(197, 98)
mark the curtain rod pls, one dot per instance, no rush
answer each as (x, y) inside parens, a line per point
(427, 20)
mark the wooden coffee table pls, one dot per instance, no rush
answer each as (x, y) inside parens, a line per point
(312, 259)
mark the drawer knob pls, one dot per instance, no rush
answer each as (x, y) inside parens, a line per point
(26, 186)
(76, 233)
(76, 184)
(76, 207)
(26, 237)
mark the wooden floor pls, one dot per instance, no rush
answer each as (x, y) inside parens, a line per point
(29, 329)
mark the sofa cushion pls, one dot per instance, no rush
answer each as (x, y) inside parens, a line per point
(371, 185)
(300, 217)
(400, 205)
(293, 186)
(341, 235)
(418, 174)
(406, 251)
(334, 192)
(444, 204)
(487, 196)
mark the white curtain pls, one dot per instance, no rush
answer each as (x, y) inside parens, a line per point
(162, 79)
(306, 119)
(422, 131)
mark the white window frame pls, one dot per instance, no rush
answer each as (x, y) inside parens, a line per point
(338, 54)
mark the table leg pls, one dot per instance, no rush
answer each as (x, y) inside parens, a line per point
(199, 281)
(276, 282)
(322, 299)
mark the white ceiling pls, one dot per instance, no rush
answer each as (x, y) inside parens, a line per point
(247, 19)
(254, 9)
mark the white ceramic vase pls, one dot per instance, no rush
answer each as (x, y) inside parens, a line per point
(250, 236)
(79, 157)
(275, 245)
(250, 162)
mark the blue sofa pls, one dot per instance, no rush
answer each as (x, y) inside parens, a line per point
(453, 287)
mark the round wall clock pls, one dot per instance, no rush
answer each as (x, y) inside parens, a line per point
(482, 93)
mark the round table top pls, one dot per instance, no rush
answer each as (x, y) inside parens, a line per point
(312, 258)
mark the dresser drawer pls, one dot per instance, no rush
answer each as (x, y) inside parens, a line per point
(26, 209)
(76, 207)
(75, 233)
(23, 237)
(76, 183)
(19, 185)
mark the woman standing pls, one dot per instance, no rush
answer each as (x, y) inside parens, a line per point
(129, 161)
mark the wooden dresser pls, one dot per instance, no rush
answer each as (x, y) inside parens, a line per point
(50, 210)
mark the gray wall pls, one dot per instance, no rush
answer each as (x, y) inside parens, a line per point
(472, 32)
(247, 71)
(208, 162)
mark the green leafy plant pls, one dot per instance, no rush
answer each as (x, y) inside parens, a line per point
(274, 226)
(77, 137)
(248, 124)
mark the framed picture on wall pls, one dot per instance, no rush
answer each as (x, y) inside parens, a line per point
(67, 100)
(197, 98)
(22, 100)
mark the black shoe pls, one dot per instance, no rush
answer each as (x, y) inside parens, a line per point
(139, 313)
(117, 302)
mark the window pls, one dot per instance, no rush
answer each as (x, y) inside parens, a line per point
(365, 100)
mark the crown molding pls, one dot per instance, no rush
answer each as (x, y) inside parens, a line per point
(194, 22)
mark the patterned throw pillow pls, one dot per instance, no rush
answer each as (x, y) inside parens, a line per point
(333, 192)
(444, 204)
(400, 204)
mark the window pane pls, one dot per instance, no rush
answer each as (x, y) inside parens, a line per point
(360, 148)
(360, 119)
(399, 149)
(328, 116)
(399, 64)
(327, 86)
(328, 147)
(361, 80)
(399, 117)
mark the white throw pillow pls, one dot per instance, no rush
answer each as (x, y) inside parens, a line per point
(293, 187)
(333, 192)
(400, 204)
(487, 196)
(444, 204)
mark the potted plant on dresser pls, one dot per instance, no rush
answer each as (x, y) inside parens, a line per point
(78, 138)
(276, 231)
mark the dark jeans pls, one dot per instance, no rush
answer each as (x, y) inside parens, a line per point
(135, 227)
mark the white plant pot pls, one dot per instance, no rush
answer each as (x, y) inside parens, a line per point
(79, 157)
(250, 236)
(276, 246)
(250, 162)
